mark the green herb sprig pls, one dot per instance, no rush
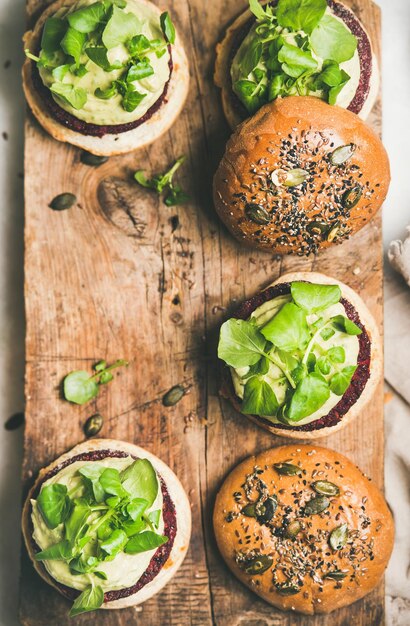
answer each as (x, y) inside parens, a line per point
(163, 183)
(80, 387)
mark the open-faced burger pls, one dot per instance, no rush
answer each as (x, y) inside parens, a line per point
(107, 76)
(303, 528)
(299, 176)
(302, 358)
(285, 48)
(107, 525)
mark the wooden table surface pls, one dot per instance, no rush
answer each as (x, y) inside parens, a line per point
(121, 275)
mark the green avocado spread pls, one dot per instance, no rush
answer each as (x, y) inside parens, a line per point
(294, 358)
(106, 62)
(98, 524)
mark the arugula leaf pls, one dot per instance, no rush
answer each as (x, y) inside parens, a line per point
(288, 329)
(311, 393)
(340, 382)
(332, 40)
(89, 600)
(53, 32)
(167, 27)
(313, 297)
(114, 543)
(300, 14)
(61, 551)
(337, 354)
(345, 325)
(120, 28)
(259, 398)
(143, 542)
(110, 481)
(72, 43)
(140, 480)
(140, 70)
(131, 99)
(54, 504)
(99, 56)
(241, 343)
(88, 18)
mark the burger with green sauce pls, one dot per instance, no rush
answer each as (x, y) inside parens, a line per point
(107, 524)
(302, 358)
(287, 48)
(109, 76)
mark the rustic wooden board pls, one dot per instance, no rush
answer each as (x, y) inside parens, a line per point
(123, 276)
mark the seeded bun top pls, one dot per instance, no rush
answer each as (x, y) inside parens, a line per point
(300, 175)
(319, 537)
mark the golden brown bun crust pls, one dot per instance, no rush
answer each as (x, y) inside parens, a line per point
(360, 505)
(110, 144)
(300, 132)
(376, 363)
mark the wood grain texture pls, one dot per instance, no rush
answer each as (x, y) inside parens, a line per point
(120, 275)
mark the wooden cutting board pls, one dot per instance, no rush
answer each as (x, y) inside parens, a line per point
(121, 275)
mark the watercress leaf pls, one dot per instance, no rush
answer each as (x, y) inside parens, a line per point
(120, 28)
(176, 196)
(340, 382)
(276, 87)
(312, 297)
(295, 57)
(79, 387)
(99, 56)
(132, 99)
(334, 91)
(141, 481)
(337, 354)
(110, 481)
(311, 393)
(87, 19)
(101, 574)
(240, 343)
(287, 359)
(132, 528)
(300, 14)
(53, 32)
(106, 94)
(300, 372)
(327, 333)
(136, 508)
(89, 600)
(331, 39)
(142, 179)
(258, 11)
(61, 551)
(83, 565)
(323, 365)
(342, 323)
(261, 367)
(248, 93)
(259, 398)
(54, 504)
(167, 27)
(105, 530)
(91, 473)
(138, 45)
(140, 70)
(60, 71)
(72, 43)
(311, 362)
(331, 74)
(114, 544)
(74, 96)
(142, 542)
(250, 55)
(154, 517)
(106, 377)
(77, 519)
(288, 329)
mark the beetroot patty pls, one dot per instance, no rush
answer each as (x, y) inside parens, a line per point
(162, 553)
(358, 382)
(95, 130)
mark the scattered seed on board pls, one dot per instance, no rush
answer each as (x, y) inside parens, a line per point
(63, 201)
(93, 160)
(93, 425)
(173, 396)
(15, 421)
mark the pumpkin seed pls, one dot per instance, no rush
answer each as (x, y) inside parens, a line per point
(93, 425)
(173, 396)
(266, 510)
(259, 564)
(15, 421)
(352, 196)
(287, 589)
(325, 488)
(257, 213)
(295, 177)
(333, 232)
(293, 529)
(338, 537)
(317, 505)
(342, 154)
(63, 201)
(317, 228)
(249, 510)
(92, 159)
(287, 469)
(337, 574)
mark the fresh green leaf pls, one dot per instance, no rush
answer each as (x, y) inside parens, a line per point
(276, 87)
(83, 565)
(140, 70)
(251, 94)
(154, 517)
(99, 56)
(79, 70)
(311, 362)
(313, 297)
(300, 372)
(261, 367)
(167, 27)
(300, 14)
(136, 508)
(295, 57)
(101, 574)
(311, 393)
(337, 354)
(114, 543)
(340, 382)
(324, 365)
(90, 599)
(54, 504)
(61, 551)
(331, 74)
(259, 398)
(110, 481)
(257, 9)
(53, 32)
(132, 528)
(143, 542)
(106, 377)
(345, 325)
(60, 71)
(334, 91)
(120, 28)
(240, 343)
(74, 96)
(72, 44)
(92, 473)
(79, 387)
(138, 45)
(327, 333)
(88, 18)
(250, 56)
(106, 94)
(176, 196)
(142, 179)
(288, 329)
(132, 99)
(141, 481)
(77, 519)
(331, 39)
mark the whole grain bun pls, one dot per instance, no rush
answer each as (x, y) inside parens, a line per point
(366, 394)
(296, 542)
(332, 203)
(109, 144)
(234, 111)
(175, 490)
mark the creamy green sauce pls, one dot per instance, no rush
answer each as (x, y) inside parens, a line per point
(274, 376)
(352, 67)
(124, 571)
(110, 112)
